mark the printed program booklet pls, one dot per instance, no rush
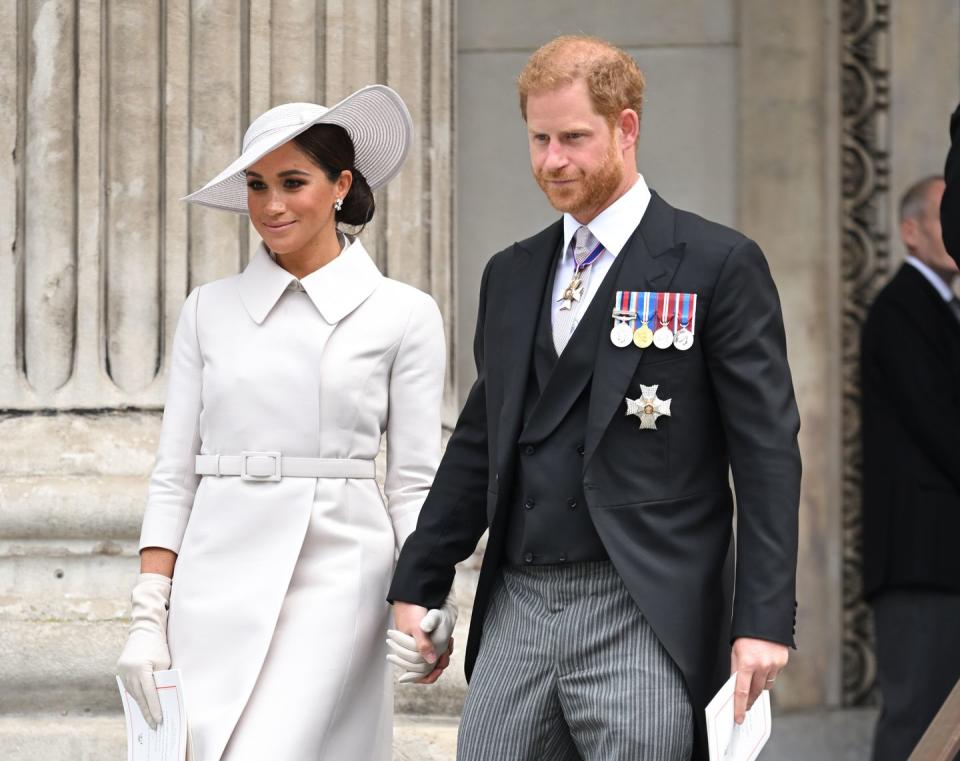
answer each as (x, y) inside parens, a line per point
(728, 741)
(168, 742)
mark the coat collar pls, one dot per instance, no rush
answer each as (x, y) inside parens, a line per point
(335, 289)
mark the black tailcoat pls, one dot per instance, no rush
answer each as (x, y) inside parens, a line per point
(910, 384)
(660, 500)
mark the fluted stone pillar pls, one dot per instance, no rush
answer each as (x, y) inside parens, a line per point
(122, 107)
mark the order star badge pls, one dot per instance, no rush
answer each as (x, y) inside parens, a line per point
(573, 292)
(648, 407)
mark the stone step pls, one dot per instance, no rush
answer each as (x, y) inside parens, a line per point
(56, 666)
(839, 735)
(62, 658)
(101, 738)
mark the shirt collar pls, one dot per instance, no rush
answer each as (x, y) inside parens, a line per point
(336, 289)
(614, 225)
(935, 280)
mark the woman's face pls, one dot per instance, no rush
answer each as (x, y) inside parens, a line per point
(291, 200)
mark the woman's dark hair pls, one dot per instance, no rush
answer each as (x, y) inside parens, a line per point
(330, 148)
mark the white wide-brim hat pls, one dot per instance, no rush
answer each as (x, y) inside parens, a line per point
(375, 117)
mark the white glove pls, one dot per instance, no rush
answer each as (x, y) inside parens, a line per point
(146, 650)
(438, 625)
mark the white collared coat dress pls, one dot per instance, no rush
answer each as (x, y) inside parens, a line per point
(278, 612)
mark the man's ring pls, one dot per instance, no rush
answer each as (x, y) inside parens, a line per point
(771, 681)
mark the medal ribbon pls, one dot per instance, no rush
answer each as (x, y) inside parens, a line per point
(646, 308)
(663, 306)
(580, 266)
(685, 317)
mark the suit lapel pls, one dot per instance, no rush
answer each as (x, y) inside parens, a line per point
(651, 258)
(531, 265)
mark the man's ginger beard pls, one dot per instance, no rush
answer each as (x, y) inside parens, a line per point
(593, 189)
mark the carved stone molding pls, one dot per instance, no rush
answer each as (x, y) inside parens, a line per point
(865, 265)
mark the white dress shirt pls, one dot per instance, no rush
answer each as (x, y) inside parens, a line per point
(612, 227)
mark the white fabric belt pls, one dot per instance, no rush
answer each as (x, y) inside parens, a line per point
(272, 466)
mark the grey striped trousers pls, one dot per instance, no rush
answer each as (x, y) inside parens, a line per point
(569, 669)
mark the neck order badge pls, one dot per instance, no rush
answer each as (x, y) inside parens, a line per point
(583, 257)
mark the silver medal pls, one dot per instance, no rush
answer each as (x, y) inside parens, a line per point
(663, 338)
(683, 340)
(621, 335)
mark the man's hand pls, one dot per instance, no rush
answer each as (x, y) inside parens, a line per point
(756, 663)
(409, 641)
(413, 668)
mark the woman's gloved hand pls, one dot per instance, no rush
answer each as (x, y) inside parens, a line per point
(146, 650)
(437, 624)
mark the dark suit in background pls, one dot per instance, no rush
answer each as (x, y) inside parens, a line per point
(911, 503)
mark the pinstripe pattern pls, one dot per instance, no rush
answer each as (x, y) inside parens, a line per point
(569, 669)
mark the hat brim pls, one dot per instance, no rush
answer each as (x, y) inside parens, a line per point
(375, 117)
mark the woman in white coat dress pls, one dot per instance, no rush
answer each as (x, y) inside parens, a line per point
(263, 505)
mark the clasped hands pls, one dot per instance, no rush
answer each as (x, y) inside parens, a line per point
(422, 642)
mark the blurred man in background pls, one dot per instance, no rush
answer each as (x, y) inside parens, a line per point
(911, 478)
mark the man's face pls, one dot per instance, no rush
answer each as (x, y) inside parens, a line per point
(575, 154)
(923, 235)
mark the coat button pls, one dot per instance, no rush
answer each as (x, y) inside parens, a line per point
(529, 504)
(528, 558)
(581, 450)
(528, 449)
(572, 504)
(563, 557)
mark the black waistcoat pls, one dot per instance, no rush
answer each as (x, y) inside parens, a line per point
(549, 521)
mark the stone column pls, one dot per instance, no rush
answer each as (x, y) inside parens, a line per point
(123, 107)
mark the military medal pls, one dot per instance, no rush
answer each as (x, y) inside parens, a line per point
(683, 340)
(663, 338)
(574, 290)
(624, 313)
(643, 336)
(648, 407)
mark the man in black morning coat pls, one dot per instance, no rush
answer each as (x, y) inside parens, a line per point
(603, 618)
(910, 381)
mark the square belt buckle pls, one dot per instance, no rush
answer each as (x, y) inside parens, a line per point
(259, 466)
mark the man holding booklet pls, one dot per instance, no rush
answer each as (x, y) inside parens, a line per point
(628, 356)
